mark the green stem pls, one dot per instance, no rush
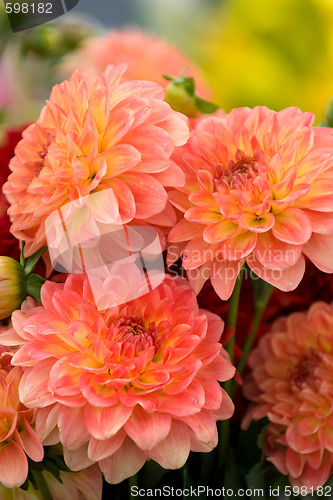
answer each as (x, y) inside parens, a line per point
(232, 317)
(224, 425)
(42, 485)
(260, 308)
(132, 481)
(224, 434)
(34, 284)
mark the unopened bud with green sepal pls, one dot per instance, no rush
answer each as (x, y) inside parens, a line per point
(181, 96)
(17, 282)
(13, 289)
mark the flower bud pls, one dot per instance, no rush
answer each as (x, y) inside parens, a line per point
(180, 99)
(180, 94)
(12, 286)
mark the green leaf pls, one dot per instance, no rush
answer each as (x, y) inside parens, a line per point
(22, 259)
(249, 450)
(187, 82)
(261, 290)
(167, 77)
(205, 107)
(329, 113)
(232, 477)
(186, 480)
(279, 480)
(42, 485)
(35, 465)
(262, 426)
(152, 473)
(59, 462)
(189, 85)
(31, 262)
(50, 466)
(25, 485)
(32, 479)
(34, 284)
(255, 479)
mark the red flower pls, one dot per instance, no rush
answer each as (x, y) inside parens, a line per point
(8, 244)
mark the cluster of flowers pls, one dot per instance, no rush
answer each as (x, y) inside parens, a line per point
(140, 381)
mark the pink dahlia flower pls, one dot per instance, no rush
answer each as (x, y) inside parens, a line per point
(134, 382)
(291, 383)
(148, 57)
(95, 133)
(17, 437)
(259, 189)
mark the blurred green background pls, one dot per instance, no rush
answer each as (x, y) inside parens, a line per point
(277, 53)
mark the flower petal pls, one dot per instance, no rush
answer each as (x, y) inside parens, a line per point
(185, 230)
(219, 231)
(319, 249)
(33, 389)
(257, 224)
(202, 215)
(239, 246)
(98, 450)
(103, 423)
(224, 275)
(13, 465)
(73, 432)
(147, 430)
(197, 252)
(145, 187)
(173, 451)
(292, 226)
(77, 459)
(124, 463)
(294, 462)
(197, 277)
(283, 279)
(30, 442)
(276, 254)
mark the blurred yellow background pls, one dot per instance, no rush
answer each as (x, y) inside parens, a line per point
(276, 53)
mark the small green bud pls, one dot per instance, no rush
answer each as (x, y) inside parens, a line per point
(177, 96)
(13, 288)
(181, 96)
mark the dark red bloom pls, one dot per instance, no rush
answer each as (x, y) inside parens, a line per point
(8, 244)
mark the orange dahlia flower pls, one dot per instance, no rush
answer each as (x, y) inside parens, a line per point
(259, 189)
(17, 437)
(134, 382)
(95, 133)
(148, 57)
(291, 383)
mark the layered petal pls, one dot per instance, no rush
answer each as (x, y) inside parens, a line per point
(91, 136)
(139, 378)
(258, 184)
(290, 384)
